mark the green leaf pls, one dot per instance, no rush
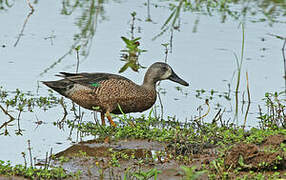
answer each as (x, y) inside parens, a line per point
(77, 48)
(142, 50)
(124, 67)
(165, 44)
(127, 41)
(136, 39)
(134, 67)
(133, 14)
(95, 107)
(168, 20)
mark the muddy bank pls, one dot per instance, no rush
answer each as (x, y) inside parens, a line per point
(122, 158)
(115, 160)
(266, 156)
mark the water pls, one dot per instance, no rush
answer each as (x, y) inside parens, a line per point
(202, 54)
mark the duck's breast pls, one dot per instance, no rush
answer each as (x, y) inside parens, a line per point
(130, 96)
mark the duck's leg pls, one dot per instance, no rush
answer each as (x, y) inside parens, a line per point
(110, 119)
(102, 118)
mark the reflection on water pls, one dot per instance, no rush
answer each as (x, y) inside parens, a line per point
(4, 4)
(243, 10)
(25, 22)
(92, 12)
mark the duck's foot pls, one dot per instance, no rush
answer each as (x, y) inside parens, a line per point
(110, 119)
(102, 119)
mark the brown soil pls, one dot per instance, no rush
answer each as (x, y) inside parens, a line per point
(96, 163)
(258, 157)
(12, 178)
(97, 160)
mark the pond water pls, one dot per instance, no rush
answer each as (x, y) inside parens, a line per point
(204, 42)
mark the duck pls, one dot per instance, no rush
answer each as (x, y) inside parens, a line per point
(111, 93)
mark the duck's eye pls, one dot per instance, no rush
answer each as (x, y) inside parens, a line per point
(165, 68)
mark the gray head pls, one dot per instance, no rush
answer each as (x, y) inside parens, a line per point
(161, 71)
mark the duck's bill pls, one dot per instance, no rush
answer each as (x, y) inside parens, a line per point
(174, 77)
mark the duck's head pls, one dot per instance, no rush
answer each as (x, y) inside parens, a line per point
(161, 71)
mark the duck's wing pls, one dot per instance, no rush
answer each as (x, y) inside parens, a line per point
(90, 79)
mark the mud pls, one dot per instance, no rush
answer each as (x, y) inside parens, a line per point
(12, 178)
(114, 160)
(265, 156)
(97, 160)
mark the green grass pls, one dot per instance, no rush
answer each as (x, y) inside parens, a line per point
(7, 169)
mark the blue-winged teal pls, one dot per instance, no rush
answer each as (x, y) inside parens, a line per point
(103, 92)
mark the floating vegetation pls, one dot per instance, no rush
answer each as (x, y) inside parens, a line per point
(13, 104)
(26, 101)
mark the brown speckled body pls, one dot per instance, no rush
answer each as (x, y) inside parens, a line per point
(107, 92)
(130, 96)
